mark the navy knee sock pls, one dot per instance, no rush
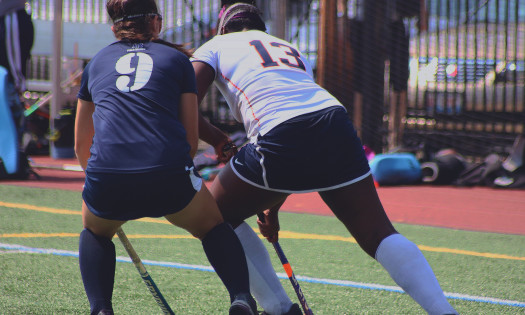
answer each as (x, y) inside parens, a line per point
(97, 265)
(226, 255)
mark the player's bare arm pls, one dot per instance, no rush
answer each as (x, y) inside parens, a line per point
(188, 116)
(84, 131)
(224, 147)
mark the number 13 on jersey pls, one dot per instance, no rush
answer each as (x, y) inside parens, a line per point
(292, 58)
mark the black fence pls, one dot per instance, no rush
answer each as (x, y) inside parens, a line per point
(467, 76)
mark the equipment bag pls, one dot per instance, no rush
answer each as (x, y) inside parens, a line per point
(396, 169)
(24, 170)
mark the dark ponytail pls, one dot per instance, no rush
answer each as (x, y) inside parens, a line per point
(132, 21)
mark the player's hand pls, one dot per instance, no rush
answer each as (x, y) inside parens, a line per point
(269, 225)
(225, 150)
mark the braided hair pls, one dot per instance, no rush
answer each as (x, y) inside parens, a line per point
(239, 16)
(230, 2)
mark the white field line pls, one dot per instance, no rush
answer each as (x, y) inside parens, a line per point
(14, 248)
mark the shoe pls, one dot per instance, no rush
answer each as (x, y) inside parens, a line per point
(243, 304)
(294, 310)
(105, 312)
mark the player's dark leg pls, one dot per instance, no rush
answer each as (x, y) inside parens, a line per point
(225, 253)
(237, 201)
(221, 245)
(359, 208)
(97, 266)
(97, 260)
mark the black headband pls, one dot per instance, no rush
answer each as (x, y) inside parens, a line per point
(134, 16)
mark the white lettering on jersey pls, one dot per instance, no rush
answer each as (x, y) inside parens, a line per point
(142, 71)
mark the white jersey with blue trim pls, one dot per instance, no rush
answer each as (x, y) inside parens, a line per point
(265, 80)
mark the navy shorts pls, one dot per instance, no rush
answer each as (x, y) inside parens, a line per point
(312, 152)
(130, 196)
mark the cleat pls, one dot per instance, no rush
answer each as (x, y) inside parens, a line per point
(243, 304)
(294, 310)
(105, 312)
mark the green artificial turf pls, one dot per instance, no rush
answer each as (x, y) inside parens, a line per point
(477, 265)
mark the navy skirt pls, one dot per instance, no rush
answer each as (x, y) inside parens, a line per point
(312, 152)
(130, 196)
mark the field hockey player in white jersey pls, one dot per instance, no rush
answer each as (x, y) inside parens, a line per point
(298, 132)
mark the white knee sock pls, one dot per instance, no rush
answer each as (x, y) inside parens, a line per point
(410, 270)
(264, 283)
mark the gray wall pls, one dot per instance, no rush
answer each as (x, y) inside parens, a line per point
(89, 37)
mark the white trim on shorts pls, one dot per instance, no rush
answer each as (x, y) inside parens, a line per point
(261, 162)
(244, 179)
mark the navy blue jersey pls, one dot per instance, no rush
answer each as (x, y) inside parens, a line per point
(136, 89)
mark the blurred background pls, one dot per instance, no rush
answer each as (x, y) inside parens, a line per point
(414, 75)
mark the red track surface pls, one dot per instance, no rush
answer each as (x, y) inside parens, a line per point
(475, 209)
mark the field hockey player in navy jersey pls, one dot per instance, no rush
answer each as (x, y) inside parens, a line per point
(136, 133)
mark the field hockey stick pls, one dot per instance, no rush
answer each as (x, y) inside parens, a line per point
(49, 95)
(64, 167)
(159, 298)
(289, 272)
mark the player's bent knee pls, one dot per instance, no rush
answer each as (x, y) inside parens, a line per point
(198, 217)
(371, 243)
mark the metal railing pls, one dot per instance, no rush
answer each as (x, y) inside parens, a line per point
(467, 78)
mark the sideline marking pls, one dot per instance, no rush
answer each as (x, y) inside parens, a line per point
(343, 283)
(29, 235)
(65, 211)
(37, 208)
(136, 236)
(282, 234)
